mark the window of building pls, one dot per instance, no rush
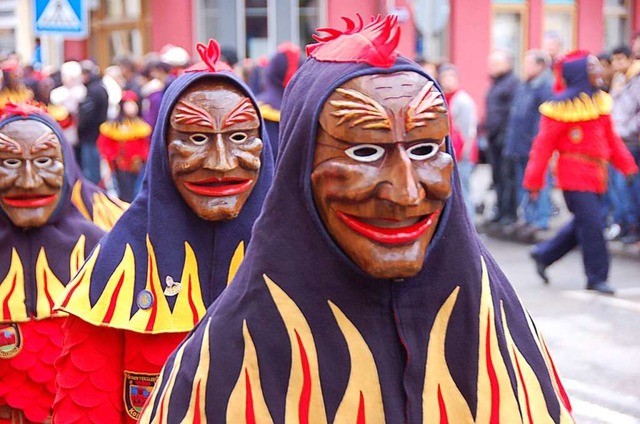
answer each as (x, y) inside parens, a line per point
(310, 18)
(509, 29)
(560, 21)
(256, 15)
(119, 27)
(8, 24)
(616, 23)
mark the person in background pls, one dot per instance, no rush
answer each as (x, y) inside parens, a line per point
(635, 45)
(626, 119)
(159, 78)
(278, 73)
(92, 112)
(13, 90)
(498, 103)
(521, 130)
(607, 70)
(463, 123)
(128, 69)
(577, 124)
(65, 102)
(124, 144)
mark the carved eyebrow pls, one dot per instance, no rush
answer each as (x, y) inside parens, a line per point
(361, 109)
(44, 142)
(424, 107)
(242, 112)
(9, 145)
(190, 114)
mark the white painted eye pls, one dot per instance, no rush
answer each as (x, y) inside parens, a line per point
(12, 163)
(423, 151)
(43, 162)
(238, 137)
(365, 152)
(199, 139)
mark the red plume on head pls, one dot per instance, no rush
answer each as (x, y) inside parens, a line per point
(292, 53)
(374, 44)
(209, 55)
(23, 109)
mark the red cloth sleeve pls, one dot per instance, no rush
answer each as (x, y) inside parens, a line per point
(90, 382)
(545, 143)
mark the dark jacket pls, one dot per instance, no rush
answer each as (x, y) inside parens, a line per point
(92, 111)
(524, 116)
(499, 99)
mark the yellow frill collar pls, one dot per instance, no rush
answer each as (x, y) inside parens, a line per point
(129, 129)
(269, 113)
(582, 108)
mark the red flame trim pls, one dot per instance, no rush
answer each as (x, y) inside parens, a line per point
(73, 289)
(524, 386)
(154, 308)
(5, 307)
(197, 419)
(493, 378)
(46, 290)
(563, 394)
(374, 44)
(305, 393)
(192, 305)
(114, 299)
(250, 414)
(444, 418)
(361, 418)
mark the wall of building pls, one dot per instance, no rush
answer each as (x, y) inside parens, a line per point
(172, 23)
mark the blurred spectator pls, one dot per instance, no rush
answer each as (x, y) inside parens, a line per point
(524, 118)
(92, 112)
(176, 57)
(635, 45)
(66, 102)
(620, 62)
(607, 70)
(626, 118)
(577, 125)
(428, 66)
(553, 46)
(13, 90)
(159, 77)
(463, 123)
(278, 73)
(113, 82)
(124, 143)
(498, 104)
(130, 74)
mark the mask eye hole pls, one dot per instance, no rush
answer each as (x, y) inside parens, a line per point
(365, 152)
(43, 162)
(238, 137)
(198, 139)
(12, 163)
(423, 151)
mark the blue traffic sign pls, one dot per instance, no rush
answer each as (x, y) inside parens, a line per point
(61, 17)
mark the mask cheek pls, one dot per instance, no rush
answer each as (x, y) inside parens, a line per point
(7, 179)
(338, 180)
(436, 178)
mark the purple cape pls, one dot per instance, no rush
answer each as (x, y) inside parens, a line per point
(304, 335)
(57, 239)
(162, 265)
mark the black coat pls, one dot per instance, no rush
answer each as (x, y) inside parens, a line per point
(92, 111)
(499, 100)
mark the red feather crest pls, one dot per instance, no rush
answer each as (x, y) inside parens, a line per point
(559, 84)
(374, 44)
(209, 54)
(23, 109)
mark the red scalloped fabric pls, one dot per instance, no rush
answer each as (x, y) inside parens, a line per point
(91, 370)
(27, 381)
(90, 381)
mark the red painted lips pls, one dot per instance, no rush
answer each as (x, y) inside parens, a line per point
(29, 201)
(218, 187)
(389, 235)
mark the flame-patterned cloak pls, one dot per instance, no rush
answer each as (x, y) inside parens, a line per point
(35, 266)
(147, 284)
(302, 335)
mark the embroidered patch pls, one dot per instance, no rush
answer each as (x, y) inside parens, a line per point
(172, 288)
(575, 135)
(145, 299)
(137, 389)
(10, 340)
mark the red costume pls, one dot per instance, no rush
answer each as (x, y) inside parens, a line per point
(581, 131)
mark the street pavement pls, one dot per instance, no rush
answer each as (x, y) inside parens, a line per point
(594, 339)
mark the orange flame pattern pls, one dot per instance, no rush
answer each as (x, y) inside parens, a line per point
(113, 307)
(106, 211)
(48, 286)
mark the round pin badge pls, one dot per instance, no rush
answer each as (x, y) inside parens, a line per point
(145, 299)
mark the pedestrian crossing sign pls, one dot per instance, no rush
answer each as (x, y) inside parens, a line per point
(61, 17)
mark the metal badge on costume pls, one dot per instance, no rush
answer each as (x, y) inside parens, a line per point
(10, 340)
(137, 388)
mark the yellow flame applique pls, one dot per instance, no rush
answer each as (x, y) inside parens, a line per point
(362, 401)
(246, 403)
(77, 256)
(236, 260)
(106, 211)
(48, 287)
(196, 413)
(304, 395)
(12, 295)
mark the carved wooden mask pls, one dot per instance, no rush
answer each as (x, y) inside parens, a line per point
(214, 148)
(381, 171)
(31, 172)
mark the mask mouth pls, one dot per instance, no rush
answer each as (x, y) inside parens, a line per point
(389, 230)
(29, 200)
(219, 187)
